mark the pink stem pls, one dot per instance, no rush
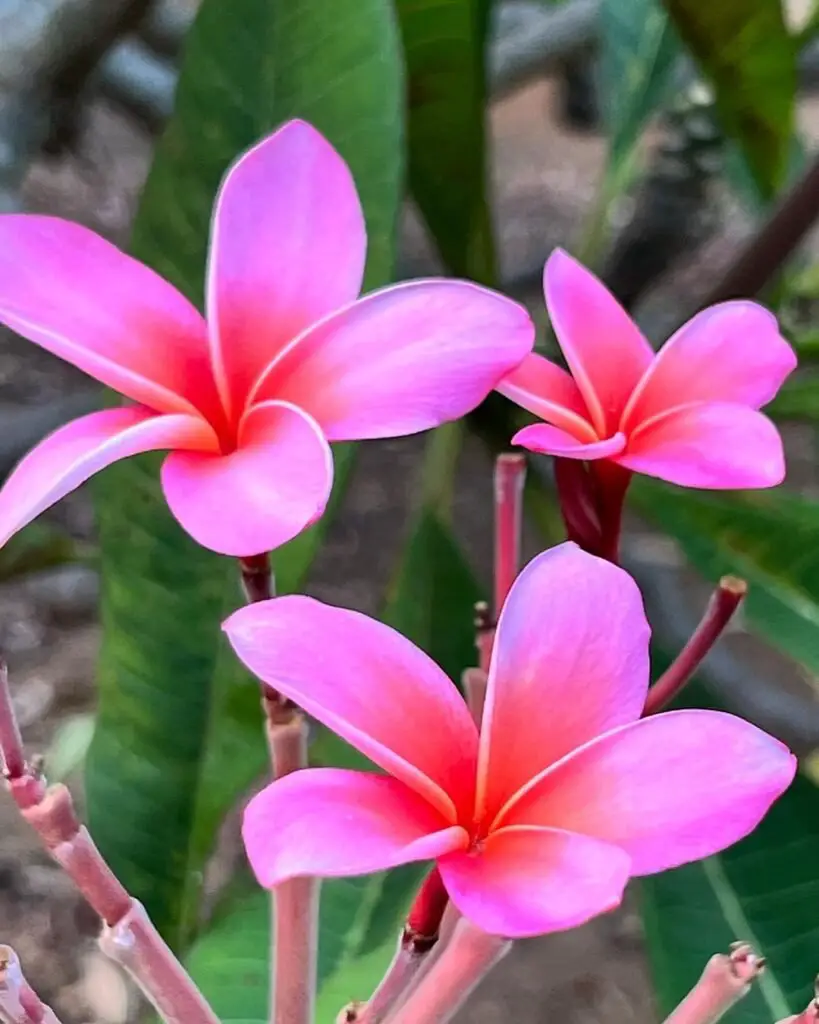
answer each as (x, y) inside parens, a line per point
(578, 504)
(610, 483)
(19, 1003)
(724, 602)
(11, 742)
(128, 935)
(468, 957)
(474, 683)
(510, 476)
(725, 980)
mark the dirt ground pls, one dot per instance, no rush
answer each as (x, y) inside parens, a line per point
(544, 181)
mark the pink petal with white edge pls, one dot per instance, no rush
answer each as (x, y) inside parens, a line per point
(403, 359)
(549, 440)
(732, 352)
(531, 881)
(82, 299)
(328, 822)
(542, 388)
(369, 684)
(75, 452)
(288, 245)
(606, 352)
(668, 789)
(253, 500)
(715, 445)
(570, 661)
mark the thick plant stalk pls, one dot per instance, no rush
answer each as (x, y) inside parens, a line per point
(294, 926)
(128, 935)
(418, 938)
(725, 980)
(725, 600)
(19, 1003)
(510, 476)
(467, 959)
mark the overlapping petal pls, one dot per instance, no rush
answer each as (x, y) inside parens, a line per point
(403, 359)
(711, 445)
(570, 661)
(288, 245)
(549, 440)
(369, 684)
(530, 881)
(75, 452)
(605, 350)
(79, 297)
(543, 389)
(331, 822)
(731, 352)
(668, 789)
(256, 498)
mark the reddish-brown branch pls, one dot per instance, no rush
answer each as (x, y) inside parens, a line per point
(578, 504)
(10, 741)
(484, 634)
(725, 980)
(724, 602)
(510, 476)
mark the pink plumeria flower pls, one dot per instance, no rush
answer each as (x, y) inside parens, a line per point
(688, 414)
(537, 824)
(288, 359)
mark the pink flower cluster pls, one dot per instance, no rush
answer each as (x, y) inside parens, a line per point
(537, 819)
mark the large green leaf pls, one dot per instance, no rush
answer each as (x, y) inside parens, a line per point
(769, 538)
(444, 43)
(764, 890)
(178, 735)
(744, 49)
(639, 51)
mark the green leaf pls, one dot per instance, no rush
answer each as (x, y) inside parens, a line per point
(444, 42)
(179, 736)
(359, 922)
(769, 538)
(639, 51)
(743, 48)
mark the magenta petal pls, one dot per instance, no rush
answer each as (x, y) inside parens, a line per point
(716, 445)
(668, 789)
(75, 452)
(605, 351)
(570, 661)
(260, 496)
(542, 388)
(549, 440)
(81, 298)
(369, 684)
(732, 352)
(288, 245)
(403, 359)
(328, 822)
(530, 881)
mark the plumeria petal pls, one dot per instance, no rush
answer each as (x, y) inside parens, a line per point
(288, 245)
(711, 444)
(606, 352)
(274, 485)
(81, 298)
(570, 661)
(668, 789)
(530, 881)
(542, 388)
(549, 440)
(732, 352)
(369, 684)
(403, 359)
(329, 822)
(75, 452)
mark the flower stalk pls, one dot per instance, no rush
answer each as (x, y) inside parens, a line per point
(725, 600)
(467, 959)
(725, 980)
(510, 476)
(19, 1003)
(128, 936)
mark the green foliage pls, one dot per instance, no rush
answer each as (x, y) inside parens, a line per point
(444, 46)
(179, 733)
(744, 49)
